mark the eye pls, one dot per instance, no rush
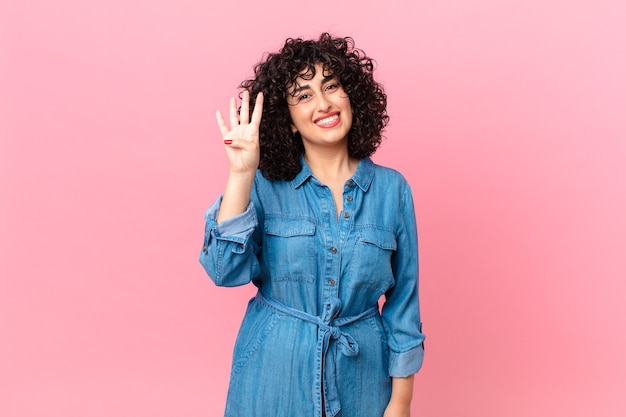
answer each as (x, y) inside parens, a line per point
(332, 86)
(303, 98)
(298, 97)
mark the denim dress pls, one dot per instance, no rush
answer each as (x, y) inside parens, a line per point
(313, 340)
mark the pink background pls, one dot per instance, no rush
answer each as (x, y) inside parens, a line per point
(508, 119)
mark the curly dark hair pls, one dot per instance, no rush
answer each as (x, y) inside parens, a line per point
(280, 148)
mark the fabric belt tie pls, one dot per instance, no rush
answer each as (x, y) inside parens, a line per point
(329, 330)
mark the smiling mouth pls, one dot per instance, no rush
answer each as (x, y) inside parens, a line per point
(329, 121)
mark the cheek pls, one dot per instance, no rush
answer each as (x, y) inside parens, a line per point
(299, 116)
(347, 106)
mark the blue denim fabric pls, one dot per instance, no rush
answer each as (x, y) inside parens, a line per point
(313, 340)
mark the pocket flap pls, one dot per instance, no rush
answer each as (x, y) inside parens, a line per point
(285, 227)
(382, 238)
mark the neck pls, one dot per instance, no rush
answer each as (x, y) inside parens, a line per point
(330, 166)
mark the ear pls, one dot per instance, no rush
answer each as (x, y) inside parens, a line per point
(294, 129)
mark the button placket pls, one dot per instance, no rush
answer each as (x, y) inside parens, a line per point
(328, 228)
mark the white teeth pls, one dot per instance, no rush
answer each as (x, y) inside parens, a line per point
(327, 120)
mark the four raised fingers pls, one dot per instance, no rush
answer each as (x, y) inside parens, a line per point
(242, 119)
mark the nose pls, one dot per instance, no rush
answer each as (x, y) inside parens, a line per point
(323, 103)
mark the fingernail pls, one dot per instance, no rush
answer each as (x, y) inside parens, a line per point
(227, 141)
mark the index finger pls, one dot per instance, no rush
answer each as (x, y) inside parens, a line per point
(258, 109)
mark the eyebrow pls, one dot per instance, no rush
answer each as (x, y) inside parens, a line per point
(307, 87)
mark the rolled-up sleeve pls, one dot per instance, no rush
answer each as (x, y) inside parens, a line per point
(401, 312)
(229, 254)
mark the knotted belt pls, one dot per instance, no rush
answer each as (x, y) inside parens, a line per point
(329, 330)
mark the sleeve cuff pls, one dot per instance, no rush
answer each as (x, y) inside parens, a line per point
(236, 229)
(406, 363)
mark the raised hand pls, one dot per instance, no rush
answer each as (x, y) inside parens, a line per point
(242, 139)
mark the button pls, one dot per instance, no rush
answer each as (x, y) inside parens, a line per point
(350, 183)
(331, 282)
(333, 249)
(349, 198)
(345, 215)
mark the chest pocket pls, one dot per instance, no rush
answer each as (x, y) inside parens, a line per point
(371, 264)
(290, 249)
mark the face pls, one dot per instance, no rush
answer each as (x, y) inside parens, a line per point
(320, 109)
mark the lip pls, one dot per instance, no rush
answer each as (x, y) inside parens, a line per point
(326, 116)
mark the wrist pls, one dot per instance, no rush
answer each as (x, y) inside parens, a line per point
(240, 180)
(402, 390)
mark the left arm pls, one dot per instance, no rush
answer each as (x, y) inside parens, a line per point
(401, 315)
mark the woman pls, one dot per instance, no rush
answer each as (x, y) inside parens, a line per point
(323, 232)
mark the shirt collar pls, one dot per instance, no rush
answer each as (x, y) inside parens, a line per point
(303, 175)
(364, 174)
(362, 177)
